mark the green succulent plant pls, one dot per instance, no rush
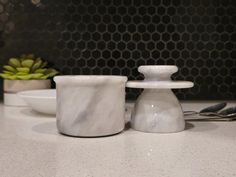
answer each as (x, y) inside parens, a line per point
(27, 67)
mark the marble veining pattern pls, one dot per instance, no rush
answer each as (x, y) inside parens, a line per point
(157, 109)
(91, 110)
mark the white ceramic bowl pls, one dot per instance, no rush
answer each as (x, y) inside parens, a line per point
(43, 101)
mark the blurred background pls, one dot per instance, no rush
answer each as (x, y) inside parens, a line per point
(116, 36)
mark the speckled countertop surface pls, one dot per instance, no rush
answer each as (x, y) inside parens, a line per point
(31, 147)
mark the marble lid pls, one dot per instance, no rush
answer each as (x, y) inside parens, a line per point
(158, 76)
(159, 84)
(157, 72)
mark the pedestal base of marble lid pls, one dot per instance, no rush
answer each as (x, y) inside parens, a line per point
(157, 111)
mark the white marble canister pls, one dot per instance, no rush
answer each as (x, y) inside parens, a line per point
(90, 106)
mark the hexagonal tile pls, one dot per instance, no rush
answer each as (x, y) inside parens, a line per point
(115, 37)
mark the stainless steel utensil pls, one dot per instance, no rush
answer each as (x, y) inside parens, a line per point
(213, 113)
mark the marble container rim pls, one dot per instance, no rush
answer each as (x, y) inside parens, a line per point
(89, 79)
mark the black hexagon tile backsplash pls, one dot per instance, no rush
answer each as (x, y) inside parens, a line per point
(116, 36)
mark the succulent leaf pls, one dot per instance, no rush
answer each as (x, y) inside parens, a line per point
(7, 72)
(40, 70)
(36, 75)
(36, 65)
(51, 72)
(44, 64)
(27, 63)
(12, 77)
(20, 74)
(9, 68)
(23, 70)
(14, 62)
(4, 75)
(24, 77)
(8, 76)
(44, 77)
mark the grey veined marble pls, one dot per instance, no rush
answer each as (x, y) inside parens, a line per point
(157, 110)
(90, 105)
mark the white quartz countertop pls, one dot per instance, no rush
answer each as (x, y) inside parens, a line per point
(30, 146)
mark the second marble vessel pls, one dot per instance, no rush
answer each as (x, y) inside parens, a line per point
(157, 109)
(90, 106)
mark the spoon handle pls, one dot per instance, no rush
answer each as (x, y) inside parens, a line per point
(188, 113)
(211, 119)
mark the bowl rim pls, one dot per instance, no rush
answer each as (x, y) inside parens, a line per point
(23, 94)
